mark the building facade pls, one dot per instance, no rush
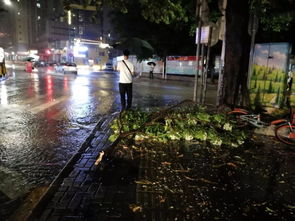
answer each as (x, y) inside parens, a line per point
(43, 26)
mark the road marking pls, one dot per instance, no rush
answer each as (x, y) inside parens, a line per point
(45, 106)
(32, 101)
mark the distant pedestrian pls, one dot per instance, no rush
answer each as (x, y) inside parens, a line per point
(152, 67)
(126, 69)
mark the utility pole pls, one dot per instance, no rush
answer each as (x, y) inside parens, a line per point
(198, 14)
(207, 66)
(220, 87)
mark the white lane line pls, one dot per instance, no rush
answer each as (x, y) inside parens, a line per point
(45, 106)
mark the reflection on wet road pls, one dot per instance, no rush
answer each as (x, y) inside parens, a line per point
(46, 117)
(44, 120)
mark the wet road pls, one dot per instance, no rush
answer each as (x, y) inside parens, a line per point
(45, 117)
(44, 120)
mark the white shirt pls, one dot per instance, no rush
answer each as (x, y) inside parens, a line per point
(152, 68)
(1, 54)
(125, 75)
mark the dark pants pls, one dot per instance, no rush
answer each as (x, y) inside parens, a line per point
(151, 75)
(126, 89)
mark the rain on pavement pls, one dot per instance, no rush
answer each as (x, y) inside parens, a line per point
(45, 117)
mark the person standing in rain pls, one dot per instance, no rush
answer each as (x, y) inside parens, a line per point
(126, 70)
(152, 67)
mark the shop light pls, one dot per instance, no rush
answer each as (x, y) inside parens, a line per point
(69, 17)
(7, 2)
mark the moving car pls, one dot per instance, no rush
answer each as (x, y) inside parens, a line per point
(66, 68)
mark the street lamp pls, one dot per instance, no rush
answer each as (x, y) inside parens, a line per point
(7, 2)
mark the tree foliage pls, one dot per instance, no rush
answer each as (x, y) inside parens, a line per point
(276, 20)
(186, 124)
(166, 39)
(275, 15)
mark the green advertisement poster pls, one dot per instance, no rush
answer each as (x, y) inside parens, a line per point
(269, 74)
(292, 75)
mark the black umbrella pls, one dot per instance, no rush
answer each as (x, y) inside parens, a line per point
(28, 59)
(141, 48)
(151, 63)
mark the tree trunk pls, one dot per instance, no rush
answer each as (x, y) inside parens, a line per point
(237, 49)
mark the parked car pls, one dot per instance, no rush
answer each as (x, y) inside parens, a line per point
(66, 68)
(39, 64)
(109, 67)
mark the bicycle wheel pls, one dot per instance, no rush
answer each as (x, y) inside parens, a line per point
(286, 134)
(236, 116)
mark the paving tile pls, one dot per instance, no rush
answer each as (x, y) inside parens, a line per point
(74, 189)
(96, 141)
(72, 218)
(81, 162)
(94, 187)
(57, 196)
(86, 155)
(99, 196)
(59, 212)
(76, 200)
(53, 218)
(68, 181)
(74, 173)
(63, 188)
(81, 177)
(65, 200)
(46, 214)
(90, 163)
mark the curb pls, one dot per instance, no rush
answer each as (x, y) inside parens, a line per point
(63, 173)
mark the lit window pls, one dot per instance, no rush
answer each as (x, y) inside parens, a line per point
(81, 30)
(38, 5)
(81, 17)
